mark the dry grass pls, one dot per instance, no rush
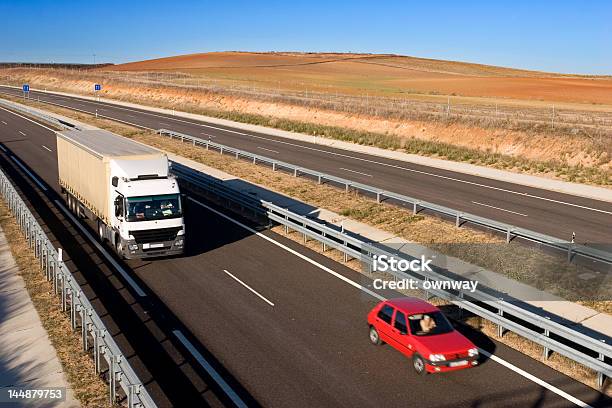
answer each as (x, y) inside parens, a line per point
(89, 389)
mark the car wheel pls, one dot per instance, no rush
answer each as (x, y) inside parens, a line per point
(374, 336)
(419, 364)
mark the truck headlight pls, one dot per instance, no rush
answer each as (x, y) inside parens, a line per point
(133, 247)
(178, 242)
(437, 357)
(473, 352)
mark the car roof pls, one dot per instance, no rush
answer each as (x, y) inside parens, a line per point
(412, 305)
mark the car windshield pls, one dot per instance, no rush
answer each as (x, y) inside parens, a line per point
(429, 324)
(147, 208)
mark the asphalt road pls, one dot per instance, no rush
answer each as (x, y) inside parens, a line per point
(283, 329)
(540, 210)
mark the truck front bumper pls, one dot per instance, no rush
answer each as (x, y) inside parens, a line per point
(153, 250)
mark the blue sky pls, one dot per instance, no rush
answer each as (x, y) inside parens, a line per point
(560, 36)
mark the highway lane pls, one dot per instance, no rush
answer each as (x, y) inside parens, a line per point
(310, 347)
(540, 210)
(168, 376)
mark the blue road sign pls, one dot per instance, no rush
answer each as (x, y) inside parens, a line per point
(26, 88)
(97, 87)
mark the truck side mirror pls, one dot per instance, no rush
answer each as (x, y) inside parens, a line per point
(118, 207)
(115, 181)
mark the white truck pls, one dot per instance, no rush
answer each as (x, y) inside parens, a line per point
(126, 188)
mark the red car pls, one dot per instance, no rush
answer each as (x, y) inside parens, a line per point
(419, 330)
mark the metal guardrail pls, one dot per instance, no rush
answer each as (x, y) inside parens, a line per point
(94, 334)
(460, 217)
(545, 329)
(36, 114)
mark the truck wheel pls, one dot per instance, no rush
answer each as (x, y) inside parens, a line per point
(419, 364)
(101, 231)
(374, 336)
(119, 246)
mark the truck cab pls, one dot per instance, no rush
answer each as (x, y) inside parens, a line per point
(147, 214)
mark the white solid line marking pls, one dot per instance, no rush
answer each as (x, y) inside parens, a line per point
(249, 288)
(210, 369)
(4, 122)
(22, 133)
(292, 251)
(358, 172)
(28, 119)
(499, 360)
(536, 380)
(269, 150)
(100, 248)
(32, 176)
(500, 209)
(45, 147)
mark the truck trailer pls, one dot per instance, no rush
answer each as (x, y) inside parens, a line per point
(126, 188)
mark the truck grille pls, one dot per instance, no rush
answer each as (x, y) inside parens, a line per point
(155, 235)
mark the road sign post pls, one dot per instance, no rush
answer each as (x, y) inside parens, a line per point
(26, 90)
(97, 88)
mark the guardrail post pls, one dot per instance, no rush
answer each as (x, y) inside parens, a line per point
(273, 166)
(295, 172)
(96, 350)
(378, 197)
(207, 145)
(600, 376)
(347, 188)
(415, 208)
(236, 155)
(319, 179)
(546, 351)
(569, 252)
(500, 328)
(221, 150)
(63, 288)
(508, 236)
(324, 246)
(73, 310)
(113, 380)
(254, 160)
(458, 220)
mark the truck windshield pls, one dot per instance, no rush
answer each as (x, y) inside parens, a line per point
(147, 208)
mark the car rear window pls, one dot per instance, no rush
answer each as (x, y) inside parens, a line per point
(400, 322)
(385, 314)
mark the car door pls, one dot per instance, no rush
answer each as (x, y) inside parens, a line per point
(384, 319)
(401, 333)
